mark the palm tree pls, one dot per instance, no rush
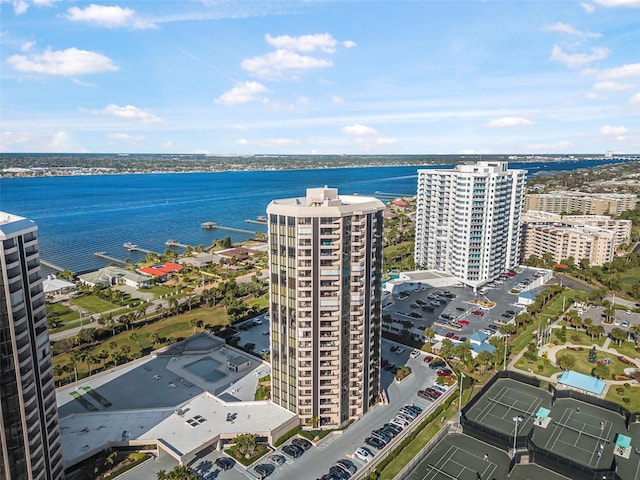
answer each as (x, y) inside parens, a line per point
(635, 329)
(133, 336)
(429, 333)
(566, 362)
(484, 357)
(155, 337)
(618, 335)
(246, 444)
(174, 305)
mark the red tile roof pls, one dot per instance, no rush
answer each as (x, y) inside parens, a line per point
(161, 270)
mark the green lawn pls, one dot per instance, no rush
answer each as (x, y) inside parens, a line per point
(61, 313)
(547, 368)
(583, 366)
(632, 393)
(580, 337)
(158, 290)
(627, 348)
(629, 278)
(93, 304)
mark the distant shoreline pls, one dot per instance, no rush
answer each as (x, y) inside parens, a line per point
(60, 165)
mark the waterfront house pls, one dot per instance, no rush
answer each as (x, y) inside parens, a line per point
(110, 276)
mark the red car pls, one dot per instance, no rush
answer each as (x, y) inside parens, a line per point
(449, 335)
(432, 392)
(427, 359)
(463, 322)
(444, 372)
(455, 338)
(478, 312)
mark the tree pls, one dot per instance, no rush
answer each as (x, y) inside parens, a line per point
(133, 336)
(429, 333)
(593, 357)
(446, 350)
(179, 472)
(566, 362)
(601, 371)
(174, 305)
(155, 338)
(635, 330)
(484, 358)
(246, 444)
(618, 335)
(227, 242)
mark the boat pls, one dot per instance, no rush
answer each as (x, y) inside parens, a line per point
(208, 225)
(130, 246)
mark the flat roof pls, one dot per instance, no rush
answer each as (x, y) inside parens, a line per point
(582, 382)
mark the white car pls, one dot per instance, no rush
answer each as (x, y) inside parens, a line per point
(257, 321)
(364, 454)
(414, 353)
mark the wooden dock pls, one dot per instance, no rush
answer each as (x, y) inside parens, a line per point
(104, 256)
(236, 230)
(175, 243)
(51, 266)
(136, 248)
(256, 222)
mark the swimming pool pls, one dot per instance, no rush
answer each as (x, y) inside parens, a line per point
(206, 368)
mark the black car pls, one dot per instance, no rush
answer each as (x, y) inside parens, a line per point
(224, 463)
(381, 435)
(391, 426)
(375, 442)
(437, 364)
(447, 316)
(388, 367)
(293, 451)
(428, 308)
(262, 470)
(302, 443)
(415, 408)
(460, 309)
(347, 465)
(277, 459)
(389, 432)
(339, 472)
(415, 315)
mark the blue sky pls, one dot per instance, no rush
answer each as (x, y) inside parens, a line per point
(320, 77)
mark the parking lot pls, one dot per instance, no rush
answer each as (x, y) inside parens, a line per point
(624, 319)
(422, 307)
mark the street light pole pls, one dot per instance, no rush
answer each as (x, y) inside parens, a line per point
(460, 400)
(517, 420)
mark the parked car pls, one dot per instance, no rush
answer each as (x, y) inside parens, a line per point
(427, 358)
(414, 353)
(461, 309)
(364, 454)
(400, 350)
(414, 408)
(293, 451)
(224, 463)
(391, 426)
(380, 435)
(415, 315)
(437, 364)
(408, 412)
(375, 442)
(339, 472)
(463, 322)
(478, 313)
(347, 465)
(426, 395)
(439, 387)
(444, 372)
(302, 443)
(435, 303)
(262, 470)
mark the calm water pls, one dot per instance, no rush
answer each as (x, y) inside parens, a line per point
(78, 216)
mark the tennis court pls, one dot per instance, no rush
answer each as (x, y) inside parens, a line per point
(581, 432)
(507, 400)
(460, 457)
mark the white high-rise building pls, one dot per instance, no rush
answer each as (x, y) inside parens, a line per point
(468, 220)
(29, 434)
(325, 262)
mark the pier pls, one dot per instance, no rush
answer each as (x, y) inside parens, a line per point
(52, 266)
(104, 256)
(175, 243)
(135, 248)
(394, 195)
(256, 222)
(236, 230)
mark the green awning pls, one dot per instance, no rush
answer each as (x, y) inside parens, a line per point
(623, 441)
(543, 413)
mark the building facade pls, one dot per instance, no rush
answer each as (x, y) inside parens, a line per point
(468, 220)
(30, 446)
(597, 245)
(621, 228)
(587, 203)
(325, 261)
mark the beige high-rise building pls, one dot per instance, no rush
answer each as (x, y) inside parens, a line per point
(589, 203)
(29, 434)
(325, 262)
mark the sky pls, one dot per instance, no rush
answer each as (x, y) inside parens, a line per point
(320, 77)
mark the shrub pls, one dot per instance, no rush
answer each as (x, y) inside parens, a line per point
(619, 390)
(291, 433)
(626, 400)
(540, 368)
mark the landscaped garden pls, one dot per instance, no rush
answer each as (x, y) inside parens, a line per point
(582, 364)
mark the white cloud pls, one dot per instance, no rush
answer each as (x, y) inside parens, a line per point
(578, 59)
(36, 141)
(27, 46)
(349, 44)
(358, 130)
(509, 122)
(128, 112)
(275, 64)
(126, 138)
(21, 6)
(66, 63)
(571, 30)
(592, 96)
(635, 99)
(631, 70)
(337, 100)
(304, 43)
(13, 138)
(366, 138)
(302, 100)
(244, 92)
(588, 7)
(611, 131)
(609, 86)
(107, 17)
(59, 141)
(619, 3)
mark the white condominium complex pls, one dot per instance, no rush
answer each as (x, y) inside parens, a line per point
(29, 435)
(468, 220)
(325, 262)
(589, 203)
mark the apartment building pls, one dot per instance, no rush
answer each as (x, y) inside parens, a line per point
(562, 241)
(468, 220)
(587, 203)
(325, 261)
(30, 446)
(621, 228)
